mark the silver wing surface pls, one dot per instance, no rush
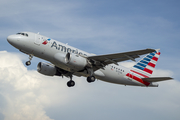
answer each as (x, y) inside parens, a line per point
(99, 61)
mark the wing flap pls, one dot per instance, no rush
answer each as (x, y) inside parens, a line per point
(156, 79)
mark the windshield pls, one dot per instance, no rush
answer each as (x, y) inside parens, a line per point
(24, 34)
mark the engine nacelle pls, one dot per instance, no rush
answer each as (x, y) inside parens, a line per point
(46, 69)
(76, 62)
(59, 58)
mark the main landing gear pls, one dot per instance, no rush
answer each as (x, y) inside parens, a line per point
(29, 62)
(70, 83)
(91, 79)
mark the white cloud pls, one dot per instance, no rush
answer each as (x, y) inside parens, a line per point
(25, 92)
(82, 24)
(30, 95)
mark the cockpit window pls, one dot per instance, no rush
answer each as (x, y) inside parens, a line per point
(24, 34)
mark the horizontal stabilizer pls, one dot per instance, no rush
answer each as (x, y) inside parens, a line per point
(156, 79)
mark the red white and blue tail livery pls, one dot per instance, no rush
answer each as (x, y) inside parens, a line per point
(144, 68)
(142, 71)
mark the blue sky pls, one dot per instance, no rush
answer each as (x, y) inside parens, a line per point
(99, 27)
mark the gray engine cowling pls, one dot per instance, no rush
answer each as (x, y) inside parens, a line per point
(46, 69)
(76, 62)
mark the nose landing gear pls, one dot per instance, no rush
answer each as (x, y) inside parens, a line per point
(29, 62)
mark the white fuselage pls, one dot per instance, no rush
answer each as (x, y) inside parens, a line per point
(47, 49)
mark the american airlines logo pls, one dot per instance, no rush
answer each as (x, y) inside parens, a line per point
(65, 49)
(46, 41)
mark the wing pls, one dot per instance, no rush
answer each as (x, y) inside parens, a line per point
(100, 61)
(156, 79)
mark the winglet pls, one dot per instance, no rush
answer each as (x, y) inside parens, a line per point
(157, 50)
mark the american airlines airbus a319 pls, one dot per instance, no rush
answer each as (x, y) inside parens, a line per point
(68, 61)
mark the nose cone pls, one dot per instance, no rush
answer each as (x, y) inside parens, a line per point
(11, 39)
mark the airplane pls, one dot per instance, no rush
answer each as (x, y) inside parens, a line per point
(65, 60)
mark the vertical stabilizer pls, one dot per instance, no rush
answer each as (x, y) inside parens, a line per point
(145, 67)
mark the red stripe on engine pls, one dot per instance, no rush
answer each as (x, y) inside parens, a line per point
(140, 74)
(138, 79)
(151, 64)
(155, 58)
(148, 70)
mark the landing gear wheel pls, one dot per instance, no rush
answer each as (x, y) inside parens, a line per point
(28, 63)
(70, 83)
(91, 79)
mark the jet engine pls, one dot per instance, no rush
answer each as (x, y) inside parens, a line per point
(46, 69)
(76, 62)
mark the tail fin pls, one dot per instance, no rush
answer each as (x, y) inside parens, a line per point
(144, 68)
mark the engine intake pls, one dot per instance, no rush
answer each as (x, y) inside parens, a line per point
(46, 69)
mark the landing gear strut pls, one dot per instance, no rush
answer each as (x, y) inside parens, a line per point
(70, 83)
(29, 62)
